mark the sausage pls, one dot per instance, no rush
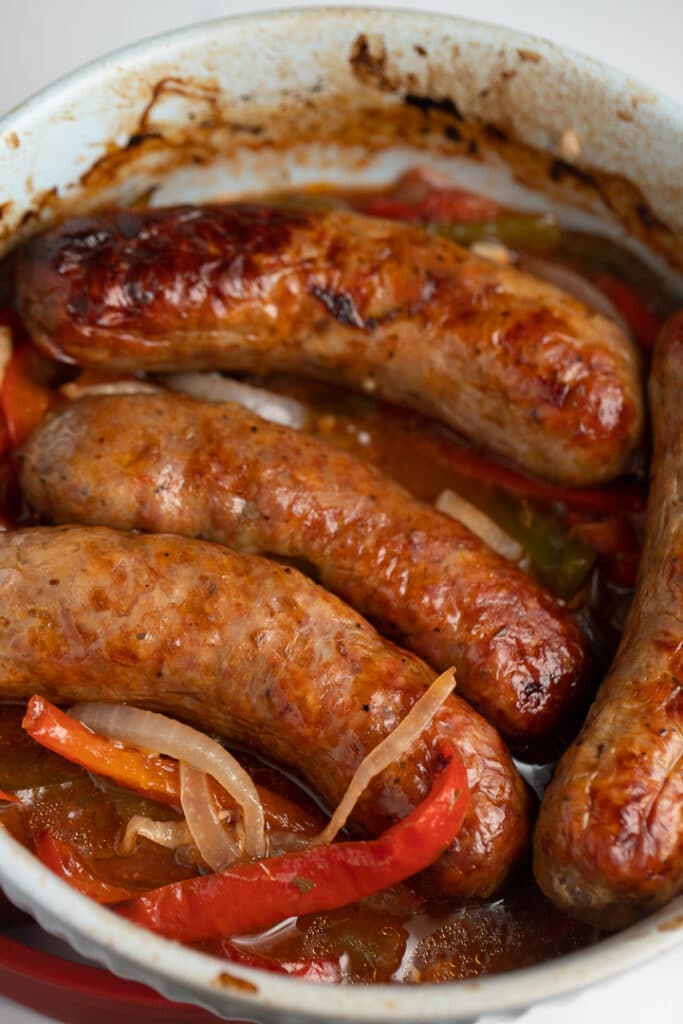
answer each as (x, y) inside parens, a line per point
(510, 361)
(164, 463)
(258, 653)
(609, 840)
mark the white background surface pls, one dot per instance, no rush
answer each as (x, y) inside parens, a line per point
(43, 39)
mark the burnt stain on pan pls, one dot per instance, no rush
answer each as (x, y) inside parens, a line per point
(231, 981)
(427, 103)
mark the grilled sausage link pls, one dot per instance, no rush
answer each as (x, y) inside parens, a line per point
(510, 361)
(258, 653)
(164, 463)
(609, 840)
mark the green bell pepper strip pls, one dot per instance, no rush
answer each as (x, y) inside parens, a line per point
(528, 231)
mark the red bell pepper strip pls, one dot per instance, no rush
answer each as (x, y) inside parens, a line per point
(9, 798)
(154, 777)
(315, 969)
(419, 195)
(642, 321)
(65, 862)
(151, 776)
(254, 896)
(622, 496)
(445, 206)
(394, 209)
(24, 397)
(455, 206)
(618, 544)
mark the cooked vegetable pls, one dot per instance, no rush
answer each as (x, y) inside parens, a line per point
(453, 505)
(625, 495)
(422, 194)
(171, 834)
(561, 559)
(154, 777)
(214, 387)
(218, 843)
(575, 284)
(145, 773)
(256, 896)
(529, 231)
(150, 731)
(321, 969)
(75, 389)
(617, 542)
(390, 750)
(643, 323)
(65, 862)
(24, 396)
(5, 350)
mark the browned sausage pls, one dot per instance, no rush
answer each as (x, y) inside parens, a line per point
(258, 653)
(609, 841)
(169, 464)
(510, 361)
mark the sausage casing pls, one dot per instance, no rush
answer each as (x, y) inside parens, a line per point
(510, 361)
(258, 653)
(609, 840)
(168, 464)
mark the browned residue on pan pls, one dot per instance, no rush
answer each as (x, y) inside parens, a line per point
(226, 980)
(380, 105)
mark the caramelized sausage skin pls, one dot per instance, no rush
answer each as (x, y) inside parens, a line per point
(609, 840)
(164, 463)
(510, 361)
(257, 653)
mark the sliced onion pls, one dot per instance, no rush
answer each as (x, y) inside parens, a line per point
(389, 751)
(5, 350)
(75, 390)
(568, 280)
(214, 387)
(490, 249)
(451, 504)
(171, 834)
(216, 842)
(162, 735)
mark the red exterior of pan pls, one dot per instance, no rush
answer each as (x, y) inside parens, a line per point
(80, 994)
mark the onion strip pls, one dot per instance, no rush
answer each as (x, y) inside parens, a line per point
(391, 748)
(74, 390)
(171, 834)
(217, 847)
(162, 735)
(451, 504)
(5, 350)
(214, 387)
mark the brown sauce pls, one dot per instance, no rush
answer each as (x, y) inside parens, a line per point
(394, 936)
